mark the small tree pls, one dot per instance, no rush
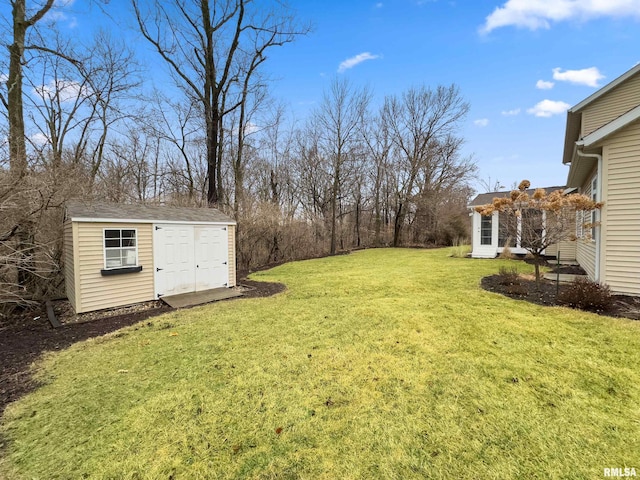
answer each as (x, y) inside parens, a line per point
(541, 219)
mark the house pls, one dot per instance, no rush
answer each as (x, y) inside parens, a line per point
(489, 238)
(116, 255)
(602, 148)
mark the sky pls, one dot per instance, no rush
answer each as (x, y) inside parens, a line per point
(519, 63)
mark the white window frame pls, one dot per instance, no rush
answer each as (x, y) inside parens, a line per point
(105, 248)
(483, 229)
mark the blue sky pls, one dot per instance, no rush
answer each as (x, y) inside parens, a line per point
(519, 63)
(503, 55)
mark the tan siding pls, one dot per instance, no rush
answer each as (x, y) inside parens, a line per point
(232, 255)
(621, 214)
(611, 105)
(586, 256)
(98, 292)
(567, 250)
(69, 271)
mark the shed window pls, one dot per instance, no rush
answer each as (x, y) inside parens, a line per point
(120, 248)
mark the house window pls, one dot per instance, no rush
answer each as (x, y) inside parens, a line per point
(485, 229)
(120, 248)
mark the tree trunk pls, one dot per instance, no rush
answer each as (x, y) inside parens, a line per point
(334, 201)
(17, 145)
(397, 225)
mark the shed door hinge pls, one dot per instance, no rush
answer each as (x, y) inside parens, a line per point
(158, 269)
(160, 295)
(158, 228)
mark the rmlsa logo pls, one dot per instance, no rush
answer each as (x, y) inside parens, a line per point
(620, 472)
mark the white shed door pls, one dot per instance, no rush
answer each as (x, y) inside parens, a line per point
(212, 269)
(189, 258)
(174, 259)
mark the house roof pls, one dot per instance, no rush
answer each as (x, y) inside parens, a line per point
(574, 114)
(81, 211)
(610, 128)
(487, 198)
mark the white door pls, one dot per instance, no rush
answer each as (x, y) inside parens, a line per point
(174, 259)
(212, 269)
(189, 258)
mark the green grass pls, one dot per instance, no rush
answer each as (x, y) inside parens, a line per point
(379, 364)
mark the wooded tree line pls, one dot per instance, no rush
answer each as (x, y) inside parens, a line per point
(82, 122)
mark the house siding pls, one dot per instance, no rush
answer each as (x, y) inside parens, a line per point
(567, 250)
(586, 248)
(69, 266)
(611, 105)
(96, 292)
(232, 255)
(621, 213)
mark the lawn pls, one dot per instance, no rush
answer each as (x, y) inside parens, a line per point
(378, 364)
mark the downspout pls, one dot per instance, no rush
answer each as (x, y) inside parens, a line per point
(598, 157)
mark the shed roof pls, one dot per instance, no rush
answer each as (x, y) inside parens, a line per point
(486, 198)
(81, 211)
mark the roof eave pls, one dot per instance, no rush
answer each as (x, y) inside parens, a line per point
(607, 88)
(610, 128)
(572, 133)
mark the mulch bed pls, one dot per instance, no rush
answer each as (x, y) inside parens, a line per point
(545, 294)
(25, 336)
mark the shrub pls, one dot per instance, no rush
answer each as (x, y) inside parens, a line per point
(506, 253)
(584, 294)
(460, 251)
(508, 276)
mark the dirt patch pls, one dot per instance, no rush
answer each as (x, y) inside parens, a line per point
(25, 336)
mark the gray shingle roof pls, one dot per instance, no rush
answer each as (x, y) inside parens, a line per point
(486, 198)
(88, 211)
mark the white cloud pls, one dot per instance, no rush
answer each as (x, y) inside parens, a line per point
(481, 122)
(511, 113)
(39, 139)
(544, 85)
(535, 14)
(548, 108)
(250, 128)
(378, 5)
(67, 90)
(353, 61)
(586, 76)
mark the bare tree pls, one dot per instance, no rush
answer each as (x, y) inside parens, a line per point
(338, 120)
(416, 119)
(440, 180)
(204, 43)
(22, 22)
(378, 145)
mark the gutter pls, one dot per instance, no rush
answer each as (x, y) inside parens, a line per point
(597, 156)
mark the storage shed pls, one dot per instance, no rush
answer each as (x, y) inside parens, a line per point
(117, 255)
